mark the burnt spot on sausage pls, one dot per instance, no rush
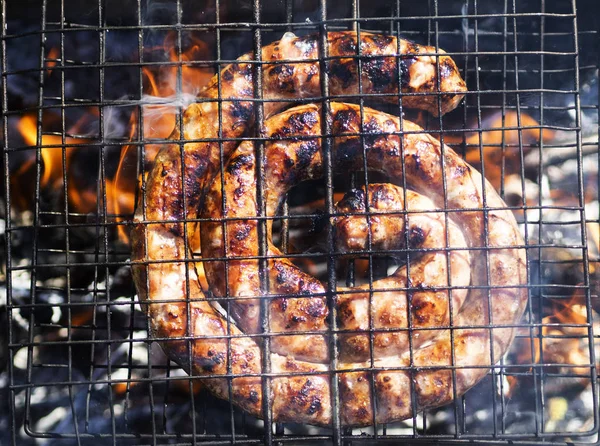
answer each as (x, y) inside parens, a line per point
(411, 47)
(253, 396)
(372, 127)
(460, 170)
(241, 110)
(297, 123)
(400, 402)
(238, 163)
(193, 178)
(303, 398)
(342, 71)
(176, 213)
(380, 195)
(315, 308)
(349, 153)
(300, 398)
(315, 405)
(302, 121)
(242, 232)
(288, 162)
(243, 361)
(446, 68)
(291, 365)
(239, 192)
(416, 237)
(345, 312)
(405, 64)
(422, 311)
(227, 75)
(346, 44)
(308, 44)
(196, 164)
(283, 69)
(353, 201)
(283, 274)
(283, 75)
(212, 360)
(362, 413)
(312, 71)
(243, 69)
(305, 153)
(346, 120)
(283, 304)
(416, 165)
(246, 92)
(381, 72)
(176, 208)
(309, 287)
(290, 280)
(381, 41)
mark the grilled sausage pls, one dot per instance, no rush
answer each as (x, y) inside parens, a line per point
(496, 297)
(290, 161)
(192, 328)
(292, 73)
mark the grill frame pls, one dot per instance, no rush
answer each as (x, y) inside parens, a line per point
(104, 250)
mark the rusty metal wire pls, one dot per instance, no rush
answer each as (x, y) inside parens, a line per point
(80, 368)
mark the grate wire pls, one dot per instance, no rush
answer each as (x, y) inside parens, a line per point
(73, 261)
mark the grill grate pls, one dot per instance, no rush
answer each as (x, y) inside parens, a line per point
(80, 368)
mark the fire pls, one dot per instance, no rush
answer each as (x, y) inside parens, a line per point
(158, 114)
(51, 60)
(53, 154)
(167, 87)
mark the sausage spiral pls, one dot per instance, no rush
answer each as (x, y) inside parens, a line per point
(454, 283)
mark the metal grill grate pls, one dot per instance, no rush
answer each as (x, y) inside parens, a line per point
(77, 77)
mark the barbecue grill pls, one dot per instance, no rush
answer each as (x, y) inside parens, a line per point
(90, 90)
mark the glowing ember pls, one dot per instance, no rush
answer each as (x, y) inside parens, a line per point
(564, 340)
(501, 148)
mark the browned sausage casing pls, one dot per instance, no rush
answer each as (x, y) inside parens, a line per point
(300, 389)
(408, 153)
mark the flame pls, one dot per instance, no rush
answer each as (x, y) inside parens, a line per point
(51, 151)
(51, 60)
(163, 98)
(159, 119)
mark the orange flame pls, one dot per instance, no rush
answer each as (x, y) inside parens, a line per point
(158, 119)
(51, 60)
(51, 150)
(160, 81)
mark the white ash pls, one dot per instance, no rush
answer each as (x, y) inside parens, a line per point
(21, 357)
(50, 420)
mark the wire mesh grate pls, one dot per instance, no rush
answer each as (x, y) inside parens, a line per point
(90, 91)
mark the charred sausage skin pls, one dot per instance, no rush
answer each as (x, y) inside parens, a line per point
(202, 341)
(497, 292)
(225, 113)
